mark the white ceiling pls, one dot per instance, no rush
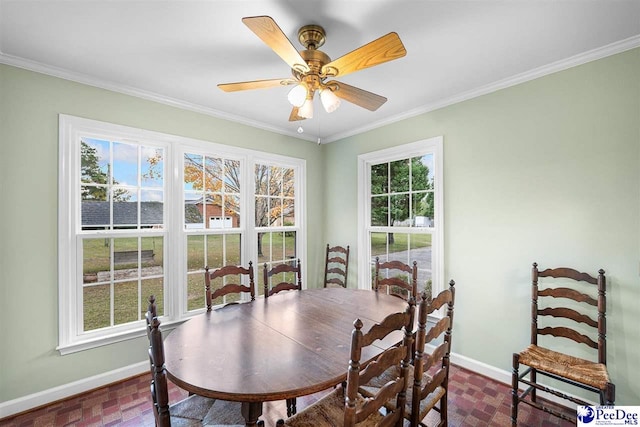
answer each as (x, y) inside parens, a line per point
(178, 51)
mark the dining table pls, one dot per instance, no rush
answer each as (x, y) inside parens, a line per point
(288, 345)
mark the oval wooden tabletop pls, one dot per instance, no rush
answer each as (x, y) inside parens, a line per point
(288, 345)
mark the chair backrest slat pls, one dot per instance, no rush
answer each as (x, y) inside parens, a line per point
(228, 274)
(395, 283)
(399, 356)
(295, 284)
(549, 303)
(336, 265)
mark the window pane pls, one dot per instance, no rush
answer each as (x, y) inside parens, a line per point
(193, 171)
(195, 291)
(125, 164)
(400, 210)
(153, 287)
(276, 180)
(195, 252)
(264, 247)
(152, 167)
(399, 176)
(262, 179)
(125, 213)
(421, 252)
(96, 265)
(193, 208)
(378, 246)
(379, 211)
(125, 302)
(151, 209)
(421, 173)
(97, 306)
(289, 212)
(213, 175)
(380, 178)
(422, 210)
(152, 256)
(231, 211)
(94, 160)
(232, 176)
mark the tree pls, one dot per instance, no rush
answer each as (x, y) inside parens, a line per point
(218, 177)
(397, 183)
(91, 173)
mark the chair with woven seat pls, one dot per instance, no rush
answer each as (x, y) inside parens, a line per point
(336, 267)
(228, 289)
(571, 305)
(192, 411)
(291, 278)
(399, 279)
(347, 407)
(430, 369)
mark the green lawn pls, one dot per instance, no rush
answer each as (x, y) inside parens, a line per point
(130, 294)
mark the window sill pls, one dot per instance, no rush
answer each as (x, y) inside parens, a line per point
(104, 340)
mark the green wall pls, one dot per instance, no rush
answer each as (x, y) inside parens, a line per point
(545, 171)
(29, 108)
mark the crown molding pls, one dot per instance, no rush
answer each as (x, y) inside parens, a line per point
(138, 93)
(582, 58)
(554, 67)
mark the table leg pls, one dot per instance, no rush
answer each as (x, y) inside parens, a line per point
(251, 411)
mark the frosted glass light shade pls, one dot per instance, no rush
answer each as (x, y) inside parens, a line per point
(306, 110)
(297, 95)
(330, 101)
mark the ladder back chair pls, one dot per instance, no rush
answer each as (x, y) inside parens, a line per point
(229, 281)
(192, 411)
(336, 266)
(571, 306)
(291, 278)
(430, 369)
(399, 279)
(347, 407)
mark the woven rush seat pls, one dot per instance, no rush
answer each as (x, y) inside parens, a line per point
(426, 404)
(574, 368)
(327, 410)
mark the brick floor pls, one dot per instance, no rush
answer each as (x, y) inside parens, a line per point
(474, 400)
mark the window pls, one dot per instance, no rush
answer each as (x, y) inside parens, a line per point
(400, 210)
(131, 199)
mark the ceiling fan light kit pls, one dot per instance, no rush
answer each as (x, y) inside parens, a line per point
(330, 101)
(297, 95)
(311, 67)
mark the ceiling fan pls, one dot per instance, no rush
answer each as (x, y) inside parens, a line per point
(311, 67)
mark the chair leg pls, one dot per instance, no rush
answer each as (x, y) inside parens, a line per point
(514, 389)
(291, 406)
(609, 395)
(533, 377)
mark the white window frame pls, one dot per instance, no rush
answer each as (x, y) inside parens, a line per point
(415, 149)
(71, 129)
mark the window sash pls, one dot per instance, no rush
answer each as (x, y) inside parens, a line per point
(174, 233)
(365, 228)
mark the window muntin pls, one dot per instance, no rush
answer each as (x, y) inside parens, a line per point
(128, 203)
(275, 220)
(401, 210)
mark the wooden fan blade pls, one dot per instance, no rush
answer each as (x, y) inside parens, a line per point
(256, 84)
(294, 117)
(386, 48)
(269, 32)
(357, 96)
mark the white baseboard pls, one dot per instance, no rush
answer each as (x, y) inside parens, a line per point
(504, 377)
(25, 403)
